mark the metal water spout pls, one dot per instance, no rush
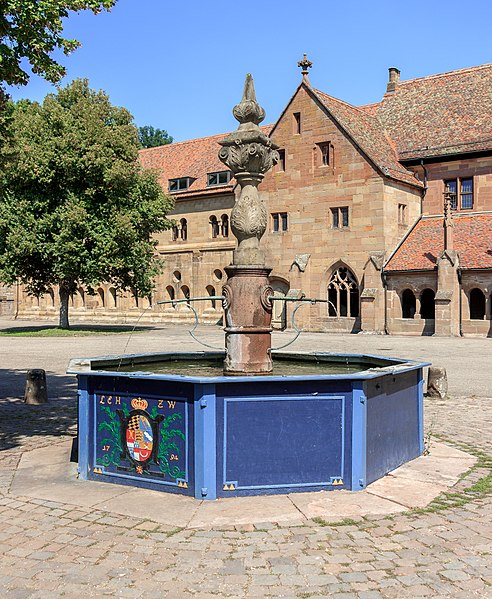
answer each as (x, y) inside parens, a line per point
(249, 154)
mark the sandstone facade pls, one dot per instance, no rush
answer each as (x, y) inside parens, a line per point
(355, 218)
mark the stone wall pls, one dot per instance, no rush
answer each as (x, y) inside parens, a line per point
(311, 249)
(7, 303)
(309, 191)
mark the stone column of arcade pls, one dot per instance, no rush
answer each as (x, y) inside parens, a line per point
(249, 154)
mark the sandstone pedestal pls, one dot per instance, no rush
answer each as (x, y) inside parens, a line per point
(248, 317)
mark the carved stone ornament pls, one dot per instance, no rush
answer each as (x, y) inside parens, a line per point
(249, 154)
(301, 261)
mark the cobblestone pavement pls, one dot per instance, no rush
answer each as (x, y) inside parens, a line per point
(50, 549)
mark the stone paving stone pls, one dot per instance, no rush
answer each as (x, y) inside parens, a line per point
(442, 554)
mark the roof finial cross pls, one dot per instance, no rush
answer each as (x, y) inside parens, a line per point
(305, 64)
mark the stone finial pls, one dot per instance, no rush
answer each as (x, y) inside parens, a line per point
(249, 154)
(305, 64)
(448, 222)
(248, 149)
(248, 110)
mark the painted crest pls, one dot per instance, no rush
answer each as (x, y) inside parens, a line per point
(139, 438)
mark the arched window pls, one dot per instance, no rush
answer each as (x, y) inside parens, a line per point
(184, 229)
(215, 226)
(100, 293)
(343, 294)
(408, 304)
(175, 232)
(135, 297)
(211, 292)
(224, 225)
(113, 296)
(477, 304)
(171, 294)
(427, 305)
(185, 292)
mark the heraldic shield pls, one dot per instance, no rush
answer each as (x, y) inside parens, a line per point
(139, 435)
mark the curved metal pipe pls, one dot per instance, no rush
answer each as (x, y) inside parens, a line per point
(303, 302)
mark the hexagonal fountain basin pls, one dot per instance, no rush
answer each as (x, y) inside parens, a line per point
(173, 422)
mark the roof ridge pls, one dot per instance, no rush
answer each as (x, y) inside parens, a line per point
(370, 105)
(384, 167)
(358, 108)
(195, 139)
(445, 74)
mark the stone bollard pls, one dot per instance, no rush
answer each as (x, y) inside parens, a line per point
(437, 382)
(36, 391)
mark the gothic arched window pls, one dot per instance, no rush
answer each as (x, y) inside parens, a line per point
(343, 294)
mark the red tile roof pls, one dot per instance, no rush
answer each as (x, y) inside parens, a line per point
(432, 116)
(441, 114)
(195, 159)
(367, 132)
(472, 240)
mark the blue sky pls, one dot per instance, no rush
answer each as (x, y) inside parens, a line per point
(180, 66)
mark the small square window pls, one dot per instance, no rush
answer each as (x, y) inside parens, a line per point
(402, 214)
(450, 189)
(466, 193)
(179, 184)
(325, 153)
(297, 123)
(280, 222)
(462, 188)
(340, 217)
(281, 161)
(275, 223)
(218, 178)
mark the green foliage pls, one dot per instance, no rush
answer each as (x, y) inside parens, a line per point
(78, 209)
(77, 331)
(167, 445)
(151, 138)
(113, 441)
(31, 30)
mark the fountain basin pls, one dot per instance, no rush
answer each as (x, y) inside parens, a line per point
(207, 435)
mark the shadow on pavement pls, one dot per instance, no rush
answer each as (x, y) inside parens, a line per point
(19, 422)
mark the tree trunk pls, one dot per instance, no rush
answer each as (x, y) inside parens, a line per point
(64, 295)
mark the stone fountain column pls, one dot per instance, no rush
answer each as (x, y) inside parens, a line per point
(249, 153)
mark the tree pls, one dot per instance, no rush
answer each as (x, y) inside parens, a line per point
(78, 207)
(151, 138)
(31, 29)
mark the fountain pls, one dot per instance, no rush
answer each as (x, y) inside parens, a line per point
(234, 422)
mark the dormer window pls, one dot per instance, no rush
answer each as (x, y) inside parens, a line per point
(179, 184)
(218, 178)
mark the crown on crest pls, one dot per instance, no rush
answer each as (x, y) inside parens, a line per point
(139, 404)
